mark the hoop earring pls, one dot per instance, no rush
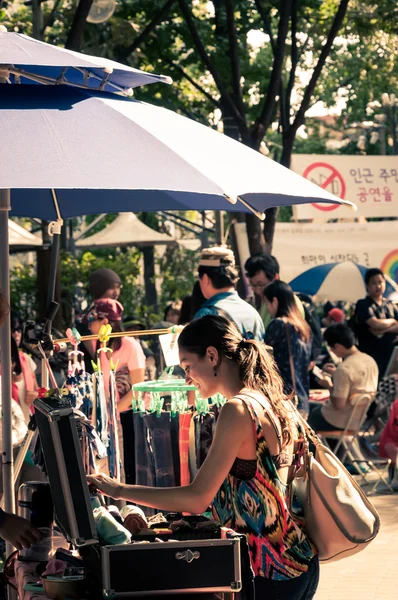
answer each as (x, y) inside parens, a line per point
(215, 371)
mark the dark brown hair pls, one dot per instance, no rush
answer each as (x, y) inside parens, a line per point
(287, 307)
(257, 369)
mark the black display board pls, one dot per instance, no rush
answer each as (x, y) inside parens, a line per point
(62, 455)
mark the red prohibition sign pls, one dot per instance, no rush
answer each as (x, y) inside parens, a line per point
(334, 174)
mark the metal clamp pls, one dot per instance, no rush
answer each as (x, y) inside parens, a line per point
(187, 555)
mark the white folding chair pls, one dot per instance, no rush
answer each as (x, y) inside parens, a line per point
(349, 440)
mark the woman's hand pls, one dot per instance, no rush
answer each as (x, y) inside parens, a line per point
(30, 397)
(18, 531)
(106, 485)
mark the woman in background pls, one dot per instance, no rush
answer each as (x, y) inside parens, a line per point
(126, 351)
(290, 337)
(25, 380)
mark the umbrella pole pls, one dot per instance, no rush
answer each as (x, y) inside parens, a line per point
(53, 268)
(5, 344)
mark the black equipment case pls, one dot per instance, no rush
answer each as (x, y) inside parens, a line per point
(125, 570)
(163, 568)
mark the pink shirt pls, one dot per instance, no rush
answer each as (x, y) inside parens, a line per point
(130, 357)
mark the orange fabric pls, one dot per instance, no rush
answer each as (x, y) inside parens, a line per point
(183, 442)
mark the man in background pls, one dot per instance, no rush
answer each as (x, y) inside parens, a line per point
(218, 277)
(356, 374)
(376, 321)
(261, 270)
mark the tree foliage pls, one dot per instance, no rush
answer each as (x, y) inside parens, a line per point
(251, 68)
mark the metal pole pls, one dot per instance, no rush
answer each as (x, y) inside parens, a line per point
(53, 268)
(5, 345)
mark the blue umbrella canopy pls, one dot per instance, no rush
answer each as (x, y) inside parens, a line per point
(26, 60)
(102, 152)
(336, 281)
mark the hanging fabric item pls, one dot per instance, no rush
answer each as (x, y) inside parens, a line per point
(86, 391)
(159, 430)
(204, 433)
(94, 450)
(128, 456)
(183, 442)
(102, 425)
(113, 447)
(78, 382)
(144, 467)
(102, 413)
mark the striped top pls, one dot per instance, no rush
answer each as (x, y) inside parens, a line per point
(259, 508)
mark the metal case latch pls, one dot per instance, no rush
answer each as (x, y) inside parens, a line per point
(187, 555)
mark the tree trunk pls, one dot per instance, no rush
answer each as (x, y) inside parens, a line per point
(255, 234)
(269, 228)
(151, 295)
(287, 150)
(76, 32)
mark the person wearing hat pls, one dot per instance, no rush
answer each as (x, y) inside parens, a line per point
(104, 283)
(218, 277)
(335, 315)
(126, 351)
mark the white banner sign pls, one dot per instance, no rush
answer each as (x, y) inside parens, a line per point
(371, 182)
(299, 247)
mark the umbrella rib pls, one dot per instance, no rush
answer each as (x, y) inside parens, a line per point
(45, 80)
(258, 214)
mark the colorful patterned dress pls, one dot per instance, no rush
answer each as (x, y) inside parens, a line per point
(259, 508)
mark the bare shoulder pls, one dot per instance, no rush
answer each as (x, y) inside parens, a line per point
(235, 409)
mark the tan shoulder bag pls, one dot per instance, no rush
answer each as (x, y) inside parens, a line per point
(339, 518)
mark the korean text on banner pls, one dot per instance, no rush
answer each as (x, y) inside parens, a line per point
(371, 182)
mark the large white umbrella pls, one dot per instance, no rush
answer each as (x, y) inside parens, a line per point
(102, 152)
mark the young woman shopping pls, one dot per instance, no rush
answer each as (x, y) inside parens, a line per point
(290, 337)
(245, 475)
(127, 353)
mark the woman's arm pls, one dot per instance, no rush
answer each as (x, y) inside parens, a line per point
(233, 427)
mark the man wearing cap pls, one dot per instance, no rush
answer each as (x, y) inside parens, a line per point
(218, 277)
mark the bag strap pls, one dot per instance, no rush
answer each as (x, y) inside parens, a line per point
(269, 414)
(291, 361)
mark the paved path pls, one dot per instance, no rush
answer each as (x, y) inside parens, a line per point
(373, 573)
